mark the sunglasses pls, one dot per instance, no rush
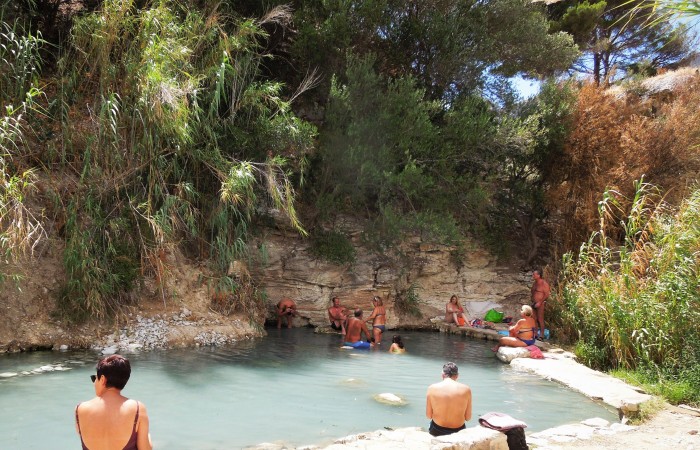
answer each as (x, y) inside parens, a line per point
(93, 377)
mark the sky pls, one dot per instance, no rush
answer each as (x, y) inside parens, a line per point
(528, 88)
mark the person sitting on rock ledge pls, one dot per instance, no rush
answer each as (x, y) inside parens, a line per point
(337, 315)
(454, 313)
(448, 403)
(522, 333)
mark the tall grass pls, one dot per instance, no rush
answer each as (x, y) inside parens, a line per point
(631, 296)
(20, 229)
(184, 142)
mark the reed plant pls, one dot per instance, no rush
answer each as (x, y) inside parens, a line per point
(186, 141)
(630, 296)
(21, 229)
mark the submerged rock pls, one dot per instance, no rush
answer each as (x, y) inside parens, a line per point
(390, 399)
(353, 382)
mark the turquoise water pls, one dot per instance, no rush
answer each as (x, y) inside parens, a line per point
(293, 387)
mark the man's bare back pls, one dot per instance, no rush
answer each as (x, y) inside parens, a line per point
(448, 403)
(356, 326)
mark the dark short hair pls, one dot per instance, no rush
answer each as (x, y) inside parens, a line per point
(450, 369)
(116, 369)
(358, 312)
(538, 271)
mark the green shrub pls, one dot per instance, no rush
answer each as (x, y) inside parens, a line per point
(591, 355)
(333, 246)
(408, 301)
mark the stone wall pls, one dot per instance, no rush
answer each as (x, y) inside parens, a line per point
(479, 280)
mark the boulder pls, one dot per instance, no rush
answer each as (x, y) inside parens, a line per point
(508, 354)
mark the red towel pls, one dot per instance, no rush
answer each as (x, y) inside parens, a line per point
(535, 352)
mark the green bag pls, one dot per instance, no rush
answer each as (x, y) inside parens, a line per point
(494, 316)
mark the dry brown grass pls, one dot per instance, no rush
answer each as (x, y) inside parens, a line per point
(615, 141)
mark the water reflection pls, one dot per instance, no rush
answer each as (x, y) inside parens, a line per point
(294, 386)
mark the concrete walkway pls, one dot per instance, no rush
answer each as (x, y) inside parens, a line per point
(561, 366)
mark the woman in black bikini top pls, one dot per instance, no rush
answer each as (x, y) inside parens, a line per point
(111, 420)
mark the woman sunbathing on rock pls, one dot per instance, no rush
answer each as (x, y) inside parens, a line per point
(522, 333)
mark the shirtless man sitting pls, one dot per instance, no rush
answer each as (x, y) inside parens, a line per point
(449, 403)
(356, 326)
(337, 315)
(286, 308)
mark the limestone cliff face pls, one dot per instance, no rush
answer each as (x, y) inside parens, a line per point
(290, 270)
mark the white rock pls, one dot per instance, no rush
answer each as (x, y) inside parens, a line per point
(8, 374)
(596, 422)
(507, 354)
(109, 350)
(390, 399)
(562, 439)
(63, 347)
(621, 427)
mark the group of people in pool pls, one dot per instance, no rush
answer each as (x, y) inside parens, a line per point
(353, 327)
(522, 334)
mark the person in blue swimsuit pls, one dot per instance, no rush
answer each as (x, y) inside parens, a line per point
(354, 330)
(522, 333)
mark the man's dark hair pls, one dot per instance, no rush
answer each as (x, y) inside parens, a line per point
(117, 370)
(538, 271)
(450, 369)
(358, 312)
